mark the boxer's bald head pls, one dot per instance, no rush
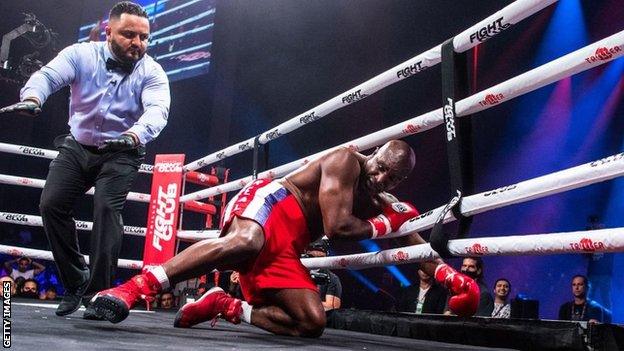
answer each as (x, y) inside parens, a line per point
(388, 166)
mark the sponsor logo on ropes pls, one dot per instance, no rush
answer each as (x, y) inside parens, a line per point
(16, 217)
(15, 252)
(608, 159)
(477, 249)
(587, 245)
(400, 256)
(245, 146)
(169, 167)
(603, 54)
(143, 197)
(411, 129)
(273, 134)
(410, 70)
(146, 168)
(220, 156)
(492, 99)
(31, 151)
(353, 97)
(486, 32)
(165, 214)
(501, 190)
(310, 117)
(134, 230)
(421, 216)
(343, 262)
(81, 225)
(202, 163)
(25, 181)
(449, 115)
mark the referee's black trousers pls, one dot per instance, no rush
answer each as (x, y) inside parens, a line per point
(76, 169)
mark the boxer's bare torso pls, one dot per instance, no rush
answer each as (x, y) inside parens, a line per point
(305, 185)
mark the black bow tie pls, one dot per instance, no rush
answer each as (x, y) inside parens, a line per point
(126, 67)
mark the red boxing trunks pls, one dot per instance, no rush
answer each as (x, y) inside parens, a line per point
(278, 265)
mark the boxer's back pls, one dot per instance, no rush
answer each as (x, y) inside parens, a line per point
(305, 183)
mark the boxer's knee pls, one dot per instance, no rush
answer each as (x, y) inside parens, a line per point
(313, 326)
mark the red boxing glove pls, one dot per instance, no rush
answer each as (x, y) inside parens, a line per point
(394, 215)
(464, 290)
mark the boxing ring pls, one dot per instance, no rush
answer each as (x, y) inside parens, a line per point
(588, 241)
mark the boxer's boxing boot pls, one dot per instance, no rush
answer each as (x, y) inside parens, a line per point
(213, 304)
(115, 304)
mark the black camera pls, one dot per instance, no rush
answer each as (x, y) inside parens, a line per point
(319, 277)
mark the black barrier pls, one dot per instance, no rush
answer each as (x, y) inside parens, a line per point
(521, 334)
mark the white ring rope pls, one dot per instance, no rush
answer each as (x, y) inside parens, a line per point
(570, 64)
(197, 235)
(35, 221)
(47, 255)
(602, 240)
(469, 38)
(50, 154)
(553, 183)
(39, 183)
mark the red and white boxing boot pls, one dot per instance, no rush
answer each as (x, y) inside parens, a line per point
(465, 292)
(213, 304)
(115, 304)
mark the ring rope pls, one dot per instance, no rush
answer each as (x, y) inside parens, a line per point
(575, 62)
(590, 241)
(197, 235)
(469, 38)
(35, 221)
(50, 154)
(194, 206)
(39, 183)
(47, 255)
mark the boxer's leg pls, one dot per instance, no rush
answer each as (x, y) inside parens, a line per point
(243, 242)
(296, 312)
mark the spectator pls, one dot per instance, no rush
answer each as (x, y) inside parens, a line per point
(26, 268)
(426, 296)
(166, 301)
(233, 287)
(30, 289)
(502, 308)
(48, 294)
(327, 282)
(581, 308)
(201, 290)
(19, 284)
(7, 278)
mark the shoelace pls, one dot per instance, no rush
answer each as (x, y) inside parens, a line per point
(214, 321)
